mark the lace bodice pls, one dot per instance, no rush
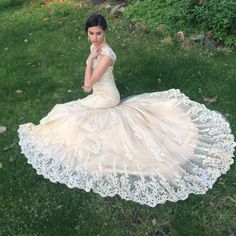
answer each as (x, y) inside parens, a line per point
(105, 92)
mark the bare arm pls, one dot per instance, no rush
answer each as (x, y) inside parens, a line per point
(91, 76)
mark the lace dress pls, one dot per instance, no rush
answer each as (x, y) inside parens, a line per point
(148, 148)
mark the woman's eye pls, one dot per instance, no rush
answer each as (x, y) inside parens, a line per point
(98, 33)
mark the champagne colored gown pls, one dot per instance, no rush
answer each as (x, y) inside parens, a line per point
(147, 148)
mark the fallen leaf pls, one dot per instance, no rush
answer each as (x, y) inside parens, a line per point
(19, 91)
(154, 222)
(2, 129)
(168, 40)
(200, 2)
(180, 36)
(58, 207)
(210, 100)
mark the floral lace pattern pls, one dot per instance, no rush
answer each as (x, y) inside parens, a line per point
(123, 173)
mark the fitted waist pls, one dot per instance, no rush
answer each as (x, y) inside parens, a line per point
(104, 85)
(110, 94)
(101, 100)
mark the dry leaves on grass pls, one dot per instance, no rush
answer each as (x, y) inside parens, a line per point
(168, 40)
(154, 221)
(58, 207)
(19, 91)
(210, 100)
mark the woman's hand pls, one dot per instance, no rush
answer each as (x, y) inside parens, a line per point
(95, 52)
(86, 89)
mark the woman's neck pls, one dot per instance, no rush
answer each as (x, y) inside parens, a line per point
(101, 45)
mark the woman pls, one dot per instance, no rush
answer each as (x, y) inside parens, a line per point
(148, 148)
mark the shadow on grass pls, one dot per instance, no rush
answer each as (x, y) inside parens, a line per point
(6, 4)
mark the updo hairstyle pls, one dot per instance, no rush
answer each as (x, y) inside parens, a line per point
(95, 20)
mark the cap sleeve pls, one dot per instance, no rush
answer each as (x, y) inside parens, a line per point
(108, 52)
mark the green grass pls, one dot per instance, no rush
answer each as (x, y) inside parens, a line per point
(43, 50)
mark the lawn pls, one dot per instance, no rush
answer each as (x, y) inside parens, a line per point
(43, 49)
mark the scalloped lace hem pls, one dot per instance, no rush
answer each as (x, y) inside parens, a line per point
(215, 157)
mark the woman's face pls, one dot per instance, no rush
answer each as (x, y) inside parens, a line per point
(96, 35)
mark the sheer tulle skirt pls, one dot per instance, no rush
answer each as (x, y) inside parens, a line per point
(149, 149)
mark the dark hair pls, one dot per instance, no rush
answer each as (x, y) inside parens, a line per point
(95, 20)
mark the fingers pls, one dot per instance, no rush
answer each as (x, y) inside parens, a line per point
(96, 51)
(85, 89)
